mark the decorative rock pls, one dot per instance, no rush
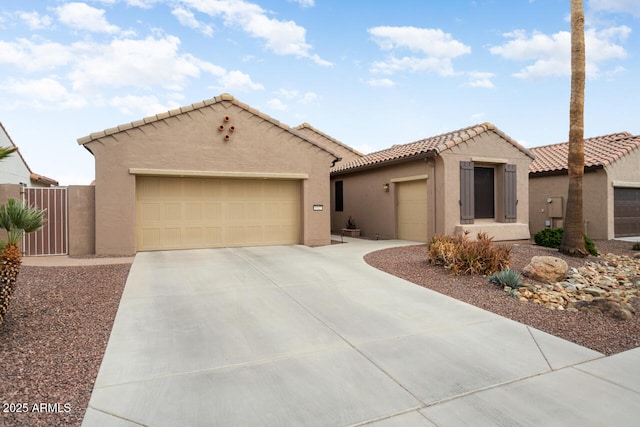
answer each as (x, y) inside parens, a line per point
(596, 287)
(546, 269)
(616, 309)
(596, 292)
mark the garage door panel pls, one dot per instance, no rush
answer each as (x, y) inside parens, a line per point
(151, 211)
(172, 212)
(626, 212)
(175, 213)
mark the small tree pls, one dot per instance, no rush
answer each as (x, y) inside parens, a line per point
(16, 219)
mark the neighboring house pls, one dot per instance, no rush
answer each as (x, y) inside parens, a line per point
(212, 174)
(473, 179)
(611, 186)
(345, 152)
(14, 169)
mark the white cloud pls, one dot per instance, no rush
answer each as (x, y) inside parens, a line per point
(32, 57)
(281, 37)
(432, 42)
(34, 20)
(381, 82)
(146, 105)
(477, 117)
(142, 63)
(143, 4)
(551, 54)
(480, 79)
(295, 96)
(304, 3)
(41, 93)
(616, 6)
(288, 94)
(433, 48)
(89, 68)
(238, 81)
(442, 66)
(81, 16)
(276, 104)
(309, 98)
(188, 19)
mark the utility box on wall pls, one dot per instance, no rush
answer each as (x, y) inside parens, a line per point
(554, 207)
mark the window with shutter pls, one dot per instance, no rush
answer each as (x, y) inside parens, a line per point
(484, 192)
(467, 209)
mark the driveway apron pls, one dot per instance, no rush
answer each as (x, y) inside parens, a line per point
(299, 336)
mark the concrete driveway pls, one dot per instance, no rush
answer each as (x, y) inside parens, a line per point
(298, 336)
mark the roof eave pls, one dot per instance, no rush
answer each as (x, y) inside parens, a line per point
(563, 171)
(427, 154)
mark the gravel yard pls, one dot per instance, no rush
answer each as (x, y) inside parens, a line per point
(55, 333)
(596, 331)
(52, 342)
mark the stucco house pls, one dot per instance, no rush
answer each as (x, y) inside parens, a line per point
(473, 179)
(15, 170)
(611, 186)
(211, 174)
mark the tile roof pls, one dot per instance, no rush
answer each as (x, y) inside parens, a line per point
(599, 151)
(426, 147)
(196, 106)
(330, 138)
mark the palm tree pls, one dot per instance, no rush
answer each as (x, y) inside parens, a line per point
(573, 236)
(4, 151)
(16, 219)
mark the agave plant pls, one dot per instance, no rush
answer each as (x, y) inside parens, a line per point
(508, 277)
(16, 219)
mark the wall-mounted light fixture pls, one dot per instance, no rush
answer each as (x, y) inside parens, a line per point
(385, 187)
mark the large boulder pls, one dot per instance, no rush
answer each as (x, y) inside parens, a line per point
(546, 269)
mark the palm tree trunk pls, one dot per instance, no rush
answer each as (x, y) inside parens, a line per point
(573, 236)
(9, 270)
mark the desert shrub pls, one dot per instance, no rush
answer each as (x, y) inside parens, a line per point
(507, 277)
(552, 238)
(636, 247)
(350, 223)
(549, 237)
(463, 256)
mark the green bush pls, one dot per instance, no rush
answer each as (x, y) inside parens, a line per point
(552, 238)
(463, 256)
(636, 247)
(507, 277)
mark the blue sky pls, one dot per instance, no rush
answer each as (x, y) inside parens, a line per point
(369, 73)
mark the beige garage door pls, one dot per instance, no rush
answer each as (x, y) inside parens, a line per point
(412, 210)
(184, 213)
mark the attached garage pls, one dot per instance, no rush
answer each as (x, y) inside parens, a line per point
(626, 212)
(611, 182)
(412, 210)
(216, 173)
(182, 213)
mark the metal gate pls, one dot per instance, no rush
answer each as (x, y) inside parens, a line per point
(53, 238)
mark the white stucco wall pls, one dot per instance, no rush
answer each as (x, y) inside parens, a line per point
(12, 168)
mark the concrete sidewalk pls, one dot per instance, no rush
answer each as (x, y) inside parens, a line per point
(298, 336)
